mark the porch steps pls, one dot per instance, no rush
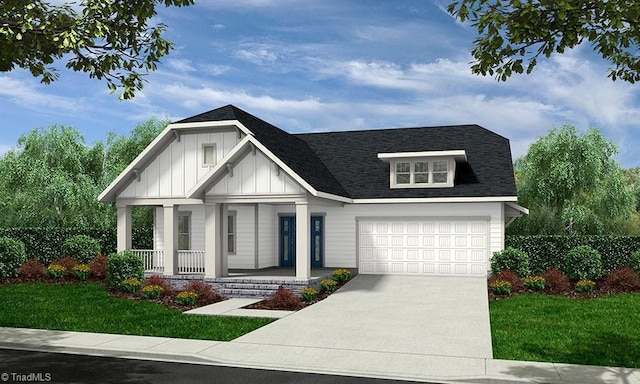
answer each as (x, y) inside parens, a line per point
(247, 289)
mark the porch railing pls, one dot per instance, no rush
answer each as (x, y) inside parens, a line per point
(153, 259)
(191, 261)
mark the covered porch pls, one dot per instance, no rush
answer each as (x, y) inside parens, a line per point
(208, 253)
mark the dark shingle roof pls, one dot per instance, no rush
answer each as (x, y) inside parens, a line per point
(346, 163)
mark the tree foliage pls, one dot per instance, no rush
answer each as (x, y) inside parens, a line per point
(513, 34)
(52, 178)
(111, 40)
(572, 182)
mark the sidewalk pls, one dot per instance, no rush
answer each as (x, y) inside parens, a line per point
(418, 367)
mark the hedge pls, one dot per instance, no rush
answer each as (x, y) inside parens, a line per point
(45, 244)
(547, 252)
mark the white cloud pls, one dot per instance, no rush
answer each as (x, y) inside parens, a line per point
(182, 65)
(28, 95)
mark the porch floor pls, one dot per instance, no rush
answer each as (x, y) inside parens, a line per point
(275, 274)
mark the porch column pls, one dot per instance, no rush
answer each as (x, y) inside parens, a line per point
(212, 240)
(124, 228)
(170, 239)
(303, 254)
(224, 265)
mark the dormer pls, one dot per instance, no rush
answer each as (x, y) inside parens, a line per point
(430, 169)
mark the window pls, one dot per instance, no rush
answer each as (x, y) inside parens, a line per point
(440, 173)
(403, 173)
(231, 233)
(209, 155)
(184, 231)
(422, 173)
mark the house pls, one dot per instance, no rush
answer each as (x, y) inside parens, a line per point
(232, 191)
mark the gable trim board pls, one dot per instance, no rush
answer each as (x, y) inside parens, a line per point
(342, 175)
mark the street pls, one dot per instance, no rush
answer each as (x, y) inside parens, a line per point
(18, 366)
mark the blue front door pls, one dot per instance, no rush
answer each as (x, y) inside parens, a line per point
(288, 241)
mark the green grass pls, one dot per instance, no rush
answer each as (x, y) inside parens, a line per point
(601, 331)
(87, 307)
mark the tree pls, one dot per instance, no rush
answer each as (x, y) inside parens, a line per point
(107, 39)
(573, 182)
(513, 34)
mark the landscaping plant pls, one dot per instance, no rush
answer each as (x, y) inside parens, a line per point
(32, 269)
(309, 294)
(131, 285)
(623, 279)
(510, 277)
(167, 287)
(328, 285)
(583, 263)
(56, 271)
(81, 247)
(98, 266)
(341, 275)
(512, 259)
(68, 263)
(121, 266)
(284, 299)
(585, 286)
(534, 283)
(81, 271)
(500, 287)
(186, 298)
(556, 281)
(12, 256)
(205, 292)
(152, 292)
(634, 261)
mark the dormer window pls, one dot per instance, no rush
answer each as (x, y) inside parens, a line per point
(423, 169)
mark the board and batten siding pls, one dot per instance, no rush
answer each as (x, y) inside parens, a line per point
(179, 166)
(255, 175)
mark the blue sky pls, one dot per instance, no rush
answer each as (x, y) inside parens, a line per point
(333, 65)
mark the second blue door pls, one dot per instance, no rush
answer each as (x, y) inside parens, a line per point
(288, 241)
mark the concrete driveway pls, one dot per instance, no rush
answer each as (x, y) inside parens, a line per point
(426, 315)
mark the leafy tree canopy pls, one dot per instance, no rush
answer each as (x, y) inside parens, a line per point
(111, 40)
(572, 182)
(512, 34)
(52, 178)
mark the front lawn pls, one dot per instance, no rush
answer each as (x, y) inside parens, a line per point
(87, 307)
(600, 331)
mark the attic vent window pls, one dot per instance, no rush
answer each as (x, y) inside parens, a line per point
(208, 155)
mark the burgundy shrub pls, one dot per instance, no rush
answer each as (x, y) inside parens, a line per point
(284, 299)
(623, 279)
(159, 280)
(206, 294)
(32, 269)
(98, 266)
(556, 281)
(510, 277)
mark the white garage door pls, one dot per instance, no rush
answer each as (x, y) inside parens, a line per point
(423, 247)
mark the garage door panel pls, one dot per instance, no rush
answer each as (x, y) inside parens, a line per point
(430, 246)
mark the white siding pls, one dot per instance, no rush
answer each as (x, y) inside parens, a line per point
(244, 257)
(255, 175)
(267, 236)
(197, 226)
(178, 167)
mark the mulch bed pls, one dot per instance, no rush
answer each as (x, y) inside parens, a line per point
(600, 291)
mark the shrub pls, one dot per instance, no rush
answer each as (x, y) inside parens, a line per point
(205, 292)
(534, 283)
(121, 266)
(512, 259)
(634, 261)
(152, 292)
(99, 266)
(341, 275)
(583, 263)
(500, 287)
(623, 279)
(284, 299)
(556, 281)
(12, 256)
(68, 263)
(56, 271)
(158, 280)
(81, 247)
(510, 277)
(328, 285)
(131, 285)
(309, 294)
(81, 271)
(585, 286)
(32, 269)
(186, 298)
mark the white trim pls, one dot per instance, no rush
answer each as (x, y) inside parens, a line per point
(489, 199)
(212, 124)
(393, 165)
(157, 201)
(204, 154)
(518, 208)
(458, 154)
(330, 196)
(256, 199)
